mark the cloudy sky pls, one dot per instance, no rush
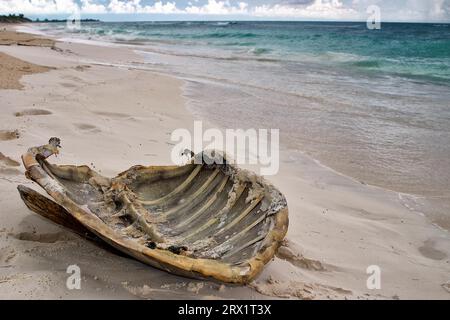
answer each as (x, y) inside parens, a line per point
(391, 10)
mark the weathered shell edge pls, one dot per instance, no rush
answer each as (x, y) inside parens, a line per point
(164, 259)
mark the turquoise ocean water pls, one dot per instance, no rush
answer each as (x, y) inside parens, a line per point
(372, 104)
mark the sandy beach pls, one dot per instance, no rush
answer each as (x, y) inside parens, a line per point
(110, 116)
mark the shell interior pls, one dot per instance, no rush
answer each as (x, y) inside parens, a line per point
(206, 211)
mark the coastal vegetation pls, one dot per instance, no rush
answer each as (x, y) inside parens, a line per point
(20, 18)
(13, 18)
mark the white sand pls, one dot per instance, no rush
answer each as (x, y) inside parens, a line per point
(112, 118)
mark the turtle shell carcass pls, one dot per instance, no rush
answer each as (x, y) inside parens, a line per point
(197, 220)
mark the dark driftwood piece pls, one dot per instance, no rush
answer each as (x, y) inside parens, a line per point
(53, 211)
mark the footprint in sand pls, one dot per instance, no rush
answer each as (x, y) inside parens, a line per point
(7, 254)
(8, 165)
(116, 116)
(298, 260)
(297, 289)
(112, 114)
(82, 67)
(42, 237)
(179, 289)
(87, 127)
(32, 112)
(14, 278)
(9, 171)
(446, 286)
(9, 135)
(428, 250)
(68, 85)
(7, 161)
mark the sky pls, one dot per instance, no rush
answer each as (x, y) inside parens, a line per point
(330, 10)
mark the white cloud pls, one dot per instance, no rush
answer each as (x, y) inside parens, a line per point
(320, 9)
(90, 7)
(406, 10)
(135, 6)
(218, 8)
(117, 6)
(37, 6)
(437, 9)
(161, 8)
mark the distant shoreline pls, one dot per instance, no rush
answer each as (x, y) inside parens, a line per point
(63, 20)
(20, 18)
(12, 18)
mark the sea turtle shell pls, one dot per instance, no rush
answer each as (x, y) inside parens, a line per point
(204, 220)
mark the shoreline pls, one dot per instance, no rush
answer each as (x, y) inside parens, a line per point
(432, 202)
(434, 211)
(324, 258)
